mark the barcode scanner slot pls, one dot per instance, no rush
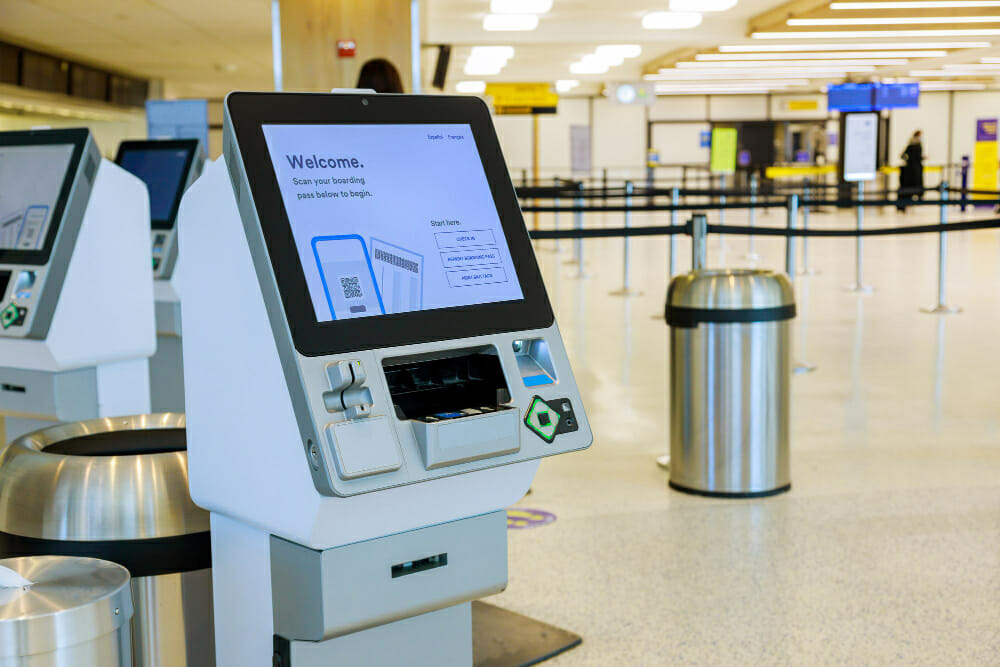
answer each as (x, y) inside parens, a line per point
(422, 565)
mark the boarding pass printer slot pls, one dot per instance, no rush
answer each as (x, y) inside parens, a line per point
(458, 406)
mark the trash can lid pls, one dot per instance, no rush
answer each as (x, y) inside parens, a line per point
(70, 601)
(729, 295)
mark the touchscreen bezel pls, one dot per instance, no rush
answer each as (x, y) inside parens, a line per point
(190, 146)
(77, 137)
(248, 112)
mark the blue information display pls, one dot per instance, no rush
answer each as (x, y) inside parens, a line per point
(850, 97)
(897, 95)
(162, 172)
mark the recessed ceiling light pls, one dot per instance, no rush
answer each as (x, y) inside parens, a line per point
(520, 6)
(894, 20)
(474, 87)
(588, 66)
(671, 20)
(504, 53)
(566, 85)
(917, 4)
(701, 5)
(849, 34)
(757, 48)
(730, 57)
(619, 50)
(497, 22)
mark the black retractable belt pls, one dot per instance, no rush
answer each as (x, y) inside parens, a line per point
(689, 318)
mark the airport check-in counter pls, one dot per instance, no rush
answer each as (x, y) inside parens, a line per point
(372, 373)
(167, 167)
(76, 307)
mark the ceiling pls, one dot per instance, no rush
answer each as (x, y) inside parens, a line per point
(206, 48)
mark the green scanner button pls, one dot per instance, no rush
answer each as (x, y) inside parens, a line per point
(542, 419)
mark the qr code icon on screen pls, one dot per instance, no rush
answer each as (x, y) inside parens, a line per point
(352, 287)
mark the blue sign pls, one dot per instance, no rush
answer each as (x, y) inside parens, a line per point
(850, 97)
(705, 139)
(897, 95)
(178, 119)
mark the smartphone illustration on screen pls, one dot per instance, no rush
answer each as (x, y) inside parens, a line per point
(348, 278)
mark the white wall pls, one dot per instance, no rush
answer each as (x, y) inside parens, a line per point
(619, 131)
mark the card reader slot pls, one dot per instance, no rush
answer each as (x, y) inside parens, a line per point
(421, 565)
(424, 388)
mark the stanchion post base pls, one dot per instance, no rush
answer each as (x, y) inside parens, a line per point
(860, 289)
(663, 461)
(801, 367)
(625, 291)
(941, 309)
(808, 272)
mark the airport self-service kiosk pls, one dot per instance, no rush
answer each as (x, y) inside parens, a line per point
(76, 306)
(372, 372)
(167, 167)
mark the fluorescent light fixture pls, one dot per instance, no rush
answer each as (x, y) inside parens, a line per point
(861, 34)
(474, 87)
(917, 4)
(759, 48)
(488, 60)
(503, 53)
(694, 75)
(671, 20)
(990, 61)
(768, 68)
(566, 85)
(520, 6)
(951, 72)
(950, 85)
(618, 50)
(687, 64)
(767, 83)
(989, 67)
(701, 5)
(895, 20)
(588, 65)
(729, 57)
(508, 22)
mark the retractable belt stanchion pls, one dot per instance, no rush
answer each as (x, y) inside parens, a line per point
(751, 254)
(626, 290)
(859, 285)
(792, 221)
(806, 270)
(942, 308)
(722, 212)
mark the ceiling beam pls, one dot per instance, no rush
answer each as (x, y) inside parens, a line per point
(774, 19)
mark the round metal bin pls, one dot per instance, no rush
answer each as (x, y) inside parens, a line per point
(117, 489)
(730, 365)
(75, 612)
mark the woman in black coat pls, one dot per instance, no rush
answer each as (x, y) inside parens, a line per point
(911, 175)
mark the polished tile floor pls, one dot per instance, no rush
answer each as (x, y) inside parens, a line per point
(887, 548)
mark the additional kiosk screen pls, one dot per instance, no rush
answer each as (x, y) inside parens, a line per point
(391, 218)
(31, 182)
(163, 166)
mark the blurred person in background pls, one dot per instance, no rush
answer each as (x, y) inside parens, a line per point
(911, 174)
(381, 76)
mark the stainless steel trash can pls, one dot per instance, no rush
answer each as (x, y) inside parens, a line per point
(117, 489)
(730, 365)
(76, 612)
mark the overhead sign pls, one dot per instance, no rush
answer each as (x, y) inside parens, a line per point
(850, 97)
(860, 146)
(984, 157)
(522, 98)
(802, 105)
(723, 153)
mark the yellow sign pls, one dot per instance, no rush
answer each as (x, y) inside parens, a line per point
(722, 159)
(798, 172)
(522, 98)
(984, 157)
(802, 105)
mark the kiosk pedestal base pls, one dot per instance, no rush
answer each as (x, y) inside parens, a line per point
(503, 638)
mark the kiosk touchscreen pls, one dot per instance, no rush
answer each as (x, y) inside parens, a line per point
(371, 378)
(75, 328)
(167, 167)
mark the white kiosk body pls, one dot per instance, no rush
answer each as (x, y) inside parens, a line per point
(167, 167)
(373, 371)
(76, 307)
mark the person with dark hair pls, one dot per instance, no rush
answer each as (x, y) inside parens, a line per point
(381, 76)
(911, 174)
